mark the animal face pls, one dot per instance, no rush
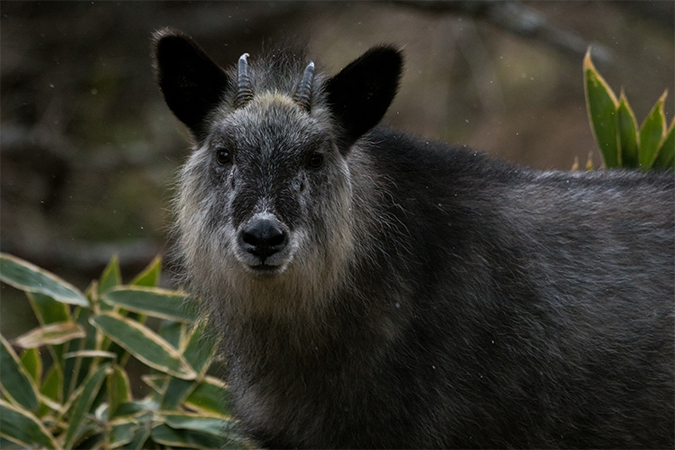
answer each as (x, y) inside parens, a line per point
(268, 176)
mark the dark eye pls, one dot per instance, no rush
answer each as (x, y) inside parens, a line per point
(315, 161)
(224, 157)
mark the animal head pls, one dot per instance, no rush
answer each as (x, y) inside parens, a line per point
(265, 197)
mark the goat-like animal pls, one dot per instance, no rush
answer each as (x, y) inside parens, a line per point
(375, 290)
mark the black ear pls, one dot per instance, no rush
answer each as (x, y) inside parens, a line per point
(361, 93)
(191, 82)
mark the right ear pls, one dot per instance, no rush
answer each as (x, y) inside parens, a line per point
(361, 93)
(192, 84)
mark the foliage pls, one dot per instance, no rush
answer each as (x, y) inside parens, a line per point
(621, 141)
(78, 394)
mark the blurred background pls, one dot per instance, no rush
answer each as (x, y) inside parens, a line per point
(89, 151)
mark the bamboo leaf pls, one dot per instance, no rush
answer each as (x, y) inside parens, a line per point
(53, 384)
(47, 310)
(665, 159)
(652, 133)
(206, 424)
(90, 354)
(111, 276)
(210, 396)
(163, 434)
(628, 134)
(144, 344)
(173, 332)
(28, 277)
(54, 333)
(31, 361)
(176, 392)
(201, 347)
(150, 275)
(141, 435)
(157, 382)
(81, 406)
(122, 433)
(22, 427)
(155, 302)
(119, 389)
(16, 382)
(602, 112)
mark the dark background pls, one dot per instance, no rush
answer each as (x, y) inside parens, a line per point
(89, 151)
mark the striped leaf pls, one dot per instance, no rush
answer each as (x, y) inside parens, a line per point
(176, 392)
(155, 302)
(122, 433)
(83, 403)
(666, 155)
(207, 424)
(139, 438)
(150, 275)
(144, 344)
(210, 396)
(201, 347)
(119, 389)
(164, 434)
(20, 426)
(111, 276)
(652, 133)
(602, 111)
(628, 135)
(52, 385)
(16, 382)
(47, 310)
(32, 362)
(28, 277)
(54, 333)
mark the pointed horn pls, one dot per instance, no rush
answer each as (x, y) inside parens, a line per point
(303, 95)
(244, 87)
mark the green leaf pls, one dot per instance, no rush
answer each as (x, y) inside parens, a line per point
(111, 276)
(54, 333)
(22, 427)
(119, 389)
(122, 433)
(47, 310)
(628, 134)
(201, 347)
(155, 302)
(665, 159)
(31, 361)
(652, 133)
(163, 434)
(157, 382)
(176, 392)
(141, 435)
(150, 275)
(602, 112)
(83, 403)
(16, 382)
(210, 396)
(206, 424)
(28, 277)
(173, 332)
(53, 384)
(144, 344)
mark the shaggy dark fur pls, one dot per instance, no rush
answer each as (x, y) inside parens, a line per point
(375, 290)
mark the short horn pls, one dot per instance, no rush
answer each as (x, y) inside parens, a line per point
(303, 95)
(244, 86)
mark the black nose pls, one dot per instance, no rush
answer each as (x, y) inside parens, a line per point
(263, 238)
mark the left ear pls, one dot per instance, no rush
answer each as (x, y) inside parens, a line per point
(361, 93)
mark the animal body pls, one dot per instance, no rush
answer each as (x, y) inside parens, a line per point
(376, 290)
